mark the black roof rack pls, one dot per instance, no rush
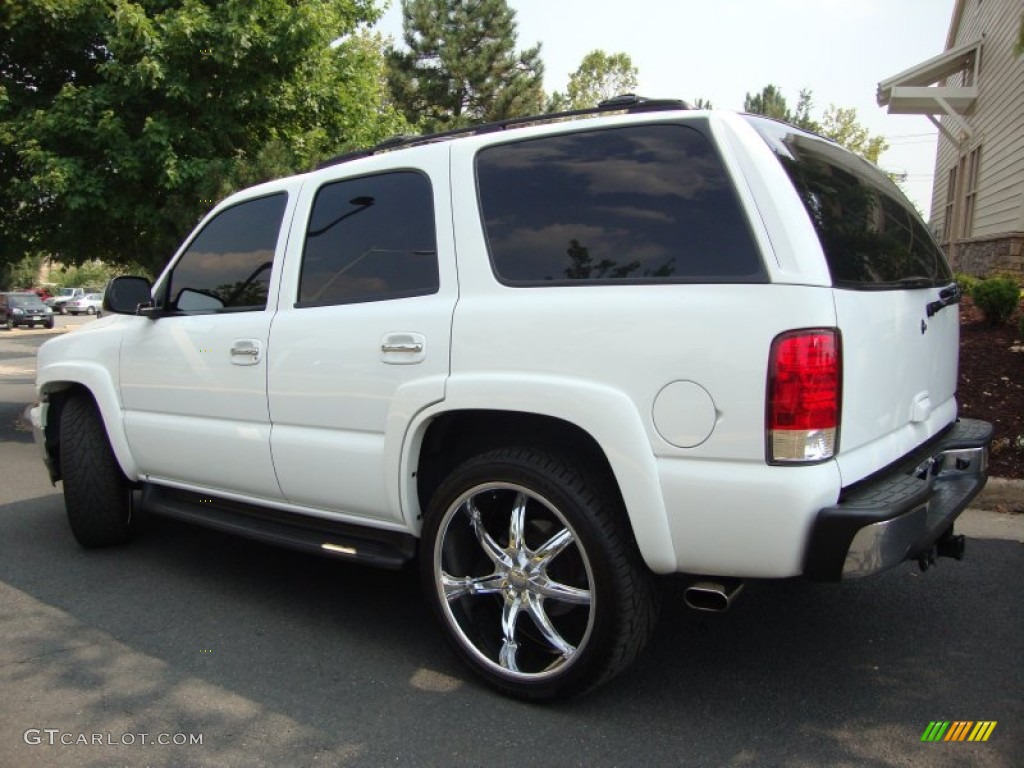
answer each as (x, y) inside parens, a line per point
(628, 102)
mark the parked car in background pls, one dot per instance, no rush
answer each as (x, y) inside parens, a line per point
(57, 301)
(90, 304)
(24, 308)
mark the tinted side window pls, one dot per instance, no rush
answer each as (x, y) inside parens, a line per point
(370, 239)
(871, 236)
(228, 264)
(638, 204)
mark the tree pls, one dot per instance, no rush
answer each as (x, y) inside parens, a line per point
(600, 76)
(702, 103)
(771, 103)
(461, 66)
(121, 122)
(840, 124)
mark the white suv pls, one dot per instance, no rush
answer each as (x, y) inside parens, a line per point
(549, 360)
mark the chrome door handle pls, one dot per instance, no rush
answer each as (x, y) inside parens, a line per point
(402, 347)
(246, 352)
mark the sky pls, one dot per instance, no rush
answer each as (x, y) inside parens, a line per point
(723, 49)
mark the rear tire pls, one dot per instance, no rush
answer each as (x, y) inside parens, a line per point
(97, 495)
(533, 573)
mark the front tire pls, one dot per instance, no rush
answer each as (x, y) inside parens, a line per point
(97, 495)
(531, 568)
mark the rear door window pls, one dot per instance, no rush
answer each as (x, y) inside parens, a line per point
(872, 237)
(648, 203)
(370, 239)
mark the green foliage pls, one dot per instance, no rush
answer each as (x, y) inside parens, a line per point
(702, 103)
(23, 273)
(997, 298)
(600, 76)
(89, 274)
(461, 66)
(966, 283)
(121, 122)
(840, 124)
(771, 103)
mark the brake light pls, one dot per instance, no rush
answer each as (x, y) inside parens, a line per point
(804, 387)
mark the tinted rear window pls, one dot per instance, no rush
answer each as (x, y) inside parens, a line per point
(872, 237)
(647, 203)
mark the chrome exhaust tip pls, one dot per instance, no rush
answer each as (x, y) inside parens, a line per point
(714, 595)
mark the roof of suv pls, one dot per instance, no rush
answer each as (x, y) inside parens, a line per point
(629, 103)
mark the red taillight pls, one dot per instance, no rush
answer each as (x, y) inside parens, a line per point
(804, 384)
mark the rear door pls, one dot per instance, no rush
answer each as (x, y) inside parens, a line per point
(895, 301)
(360, 343)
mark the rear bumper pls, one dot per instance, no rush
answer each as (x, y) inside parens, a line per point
(900, 514)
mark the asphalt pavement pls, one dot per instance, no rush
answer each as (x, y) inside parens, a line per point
(191, 648)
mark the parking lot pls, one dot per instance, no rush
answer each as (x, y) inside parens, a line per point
(192, 648)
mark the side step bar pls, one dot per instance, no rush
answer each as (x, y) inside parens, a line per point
(379, 548)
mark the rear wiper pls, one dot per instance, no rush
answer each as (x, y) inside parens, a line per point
(948, 295)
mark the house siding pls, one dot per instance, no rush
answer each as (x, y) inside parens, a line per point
(997, 230)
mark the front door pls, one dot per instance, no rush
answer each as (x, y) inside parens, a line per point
(194, 380)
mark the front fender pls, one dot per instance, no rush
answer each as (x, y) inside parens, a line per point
(94, 375)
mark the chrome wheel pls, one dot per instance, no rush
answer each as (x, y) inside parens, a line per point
(515, 584)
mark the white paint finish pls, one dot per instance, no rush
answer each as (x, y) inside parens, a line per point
(684, 414)
(186, 400)
(743, 518)
(219, 454)
(794, 251)
(333, 386)
(332, 469)
(599, 410)
(638, 339)
(888, 363)
(89, 357)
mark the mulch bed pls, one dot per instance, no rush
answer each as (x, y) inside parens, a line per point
(991, 385)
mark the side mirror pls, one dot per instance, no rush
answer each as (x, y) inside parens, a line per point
(124, 295)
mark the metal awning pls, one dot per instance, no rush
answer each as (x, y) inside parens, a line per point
(915, 91)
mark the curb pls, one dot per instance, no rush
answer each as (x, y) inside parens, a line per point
(1001, 495)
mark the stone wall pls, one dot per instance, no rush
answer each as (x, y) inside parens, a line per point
(983, 257)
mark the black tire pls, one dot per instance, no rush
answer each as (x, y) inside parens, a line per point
(536, 625)
(48, 324)
(90, 310)
(97, 495)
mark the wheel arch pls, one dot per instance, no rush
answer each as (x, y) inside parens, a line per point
(95, 383)
(595, 423)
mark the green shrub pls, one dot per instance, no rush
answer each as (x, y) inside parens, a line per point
(966, 283)
(1020, 326)
(997, 298)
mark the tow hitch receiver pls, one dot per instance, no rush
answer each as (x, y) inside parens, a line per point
(948, 545)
